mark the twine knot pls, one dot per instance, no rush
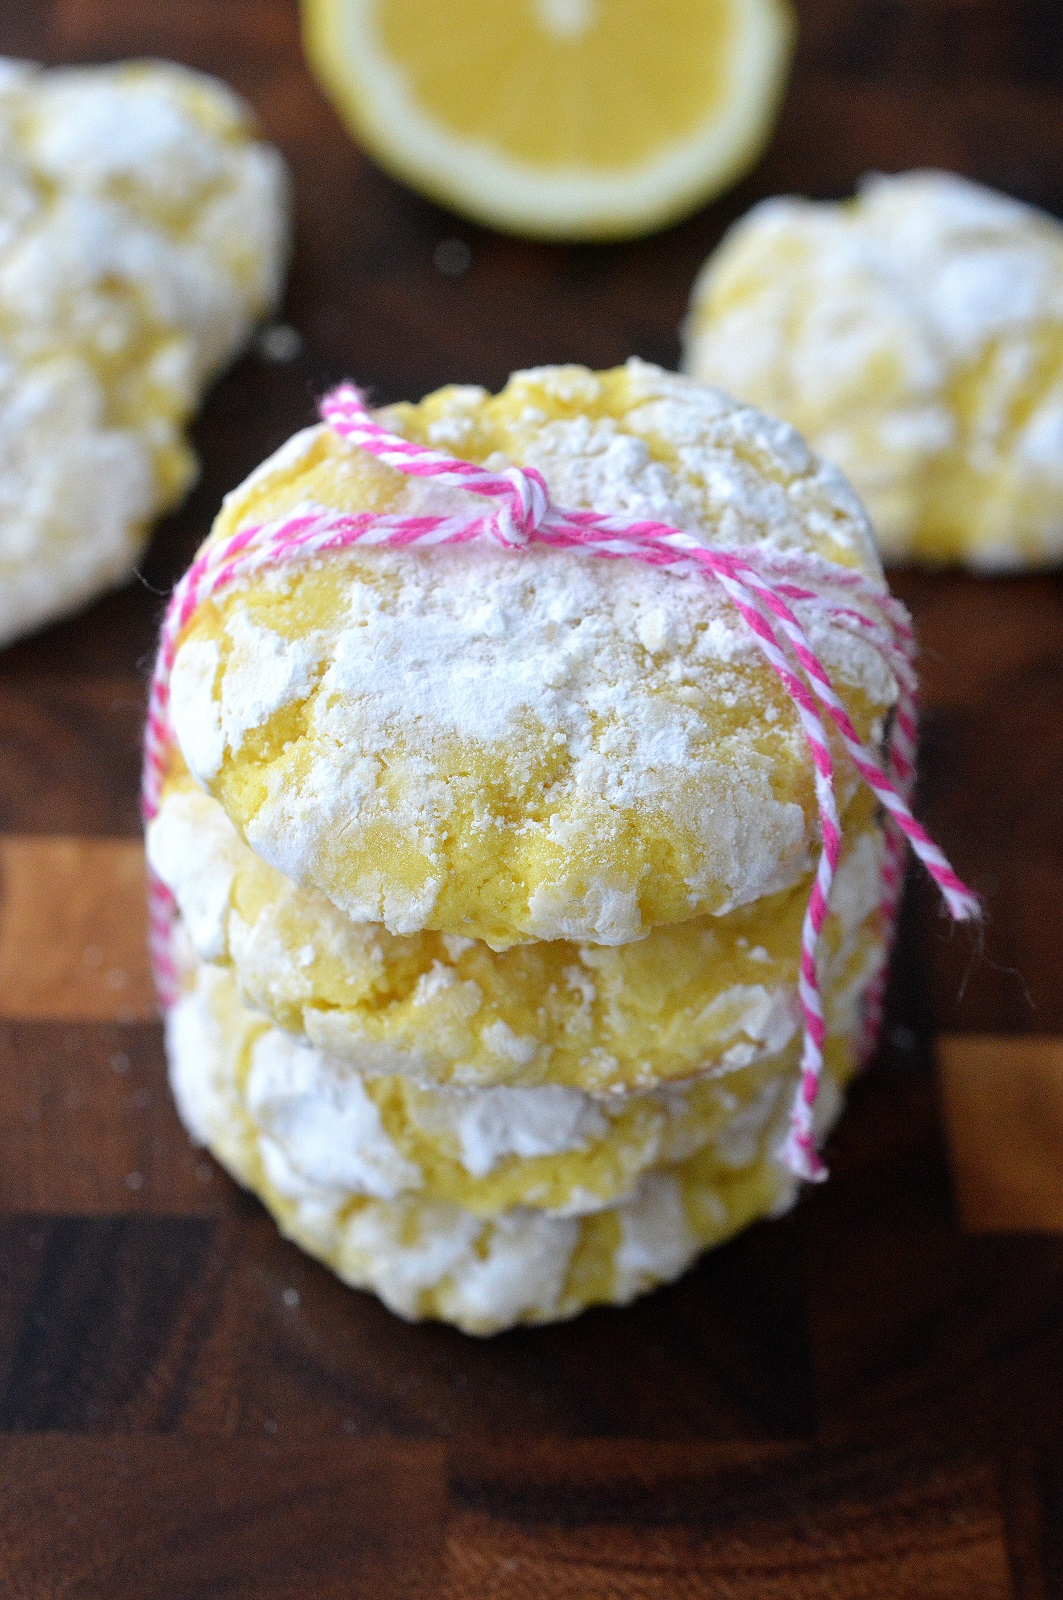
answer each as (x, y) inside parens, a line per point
(521, 514)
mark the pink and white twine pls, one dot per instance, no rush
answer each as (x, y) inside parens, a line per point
(763, 586)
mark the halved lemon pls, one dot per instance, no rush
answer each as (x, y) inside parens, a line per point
(577, 119)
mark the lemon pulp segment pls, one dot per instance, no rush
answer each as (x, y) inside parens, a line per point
(611, 91)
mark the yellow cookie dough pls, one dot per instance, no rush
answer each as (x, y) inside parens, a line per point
(484, 1252)
(143, 231)
(536, 746)
(709, 995)
(915, 336)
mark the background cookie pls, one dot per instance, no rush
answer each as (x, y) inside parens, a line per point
(915, 336)
(142, 233)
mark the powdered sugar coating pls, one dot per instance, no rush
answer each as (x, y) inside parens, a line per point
(915, 336)
(142, 232)
(546, 747)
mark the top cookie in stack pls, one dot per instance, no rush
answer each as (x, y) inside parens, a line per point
(549, 748)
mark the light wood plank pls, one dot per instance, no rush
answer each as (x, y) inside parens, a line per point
(1003, 1103)
(73, 931)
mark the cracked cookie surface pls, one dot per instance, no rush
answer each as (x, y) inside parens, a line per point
(535, 746)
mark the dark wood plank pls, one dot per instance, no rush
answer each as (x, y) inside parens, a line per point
(721, 1355)
(71, 744)
(768, 1525)
(236, 1329)
(87, 1126)
(1050, 1523)
(991, 786)
(255, 1520)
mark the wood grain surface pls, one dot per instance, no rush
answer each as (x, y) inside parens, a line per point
(863, 1401)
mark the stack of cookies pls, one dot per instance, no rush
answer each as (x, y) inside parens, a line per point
(490, 867)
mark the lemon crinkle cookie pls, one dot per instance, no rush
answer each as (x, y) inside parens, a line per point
(320, 1120)
(710, 994)
(543, 748)
(915, 336)
(143, 231)
(488, 870)
(469, 1210)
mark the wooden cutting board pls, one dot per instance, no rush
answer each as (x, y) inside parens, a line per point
(862, 1401)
